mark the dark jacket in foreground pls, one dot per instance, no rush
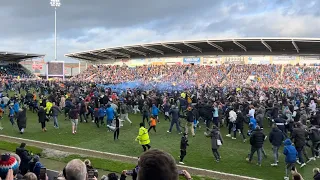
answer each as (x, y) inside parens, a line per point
(257, 138)
(276, 137)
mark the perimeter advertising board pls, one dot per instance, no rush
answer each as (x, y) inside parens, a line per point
(259, 60)
(234, 60)
(212, 60)
(285, 60)
(191, 60)
(310, 59)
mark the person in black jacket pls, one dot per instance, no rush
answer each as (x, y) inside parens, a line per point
(25, 158)
(314, 135)
(256, 140)
(299, 138)
(42, 118)
(117, 130)
(239, 125)
(276, 137)
(183, 147)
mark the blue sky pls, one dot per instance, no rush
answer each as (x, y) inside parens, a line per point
(27, 26)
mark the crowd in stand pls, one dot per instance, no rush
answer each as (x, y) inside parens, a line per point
(195, 75)
(13, 70)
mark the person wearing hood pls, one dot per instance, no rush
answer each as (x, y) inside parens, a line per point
(175, 115)
(216, 141)
(155, 112)
(252, 125)
(143, 137)
(42, 118)
(276, 137)
(314, 135)
(110, 114)
(291, 155)
(256, 140)
(239, 125)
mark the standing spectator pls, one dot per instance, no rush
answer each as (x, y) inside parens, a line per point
(276, 137)
(143, 137)
(189, 123)
(42, 118)
(22, 119)
(216, 141)
(314, 135)
(117, 129)
(232, 122)
(124, 109)
(25, 158)
(175, 114)
(153, 124)
(54, 111)
(145, 112)
(256, 140)
(74, 117)
(299, 138)
(110, 112)
(183, 147)
(155, 112)
(239, 125)
(11, 115)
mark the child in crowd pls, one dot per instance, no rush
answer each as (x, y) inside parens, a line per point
(153, 124)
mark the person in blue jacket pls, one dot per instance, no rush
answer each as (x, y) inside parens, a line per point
(110, 114)
(101, 114)
(155, 112)
(291, 156)
(16, 107)
(252, 125)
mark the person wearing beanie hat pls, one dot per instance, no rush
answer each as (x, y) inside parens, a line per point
(36, 165)
(183, 147)
(8, 162)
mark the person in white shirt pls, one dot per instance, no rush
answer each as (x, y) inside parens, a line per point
(232, 123)
(251, 111)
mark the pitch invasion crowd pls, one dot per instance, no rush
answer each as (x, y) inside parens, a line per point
(291, 110)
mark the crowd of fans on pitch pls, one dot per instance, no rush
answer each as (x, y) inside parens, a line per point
(218, 96)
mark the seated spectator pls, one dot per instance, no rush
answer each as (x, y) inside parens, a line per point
(30, 176)
(37, 166)
(75, 170)
(157, 165)
(25, 158)
(316, 174)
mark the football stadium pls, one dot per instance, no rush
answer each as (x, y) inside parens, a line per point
(209, 109)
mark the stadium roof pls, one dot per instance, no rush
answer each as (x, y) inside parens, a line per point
(237, 46)
(13, 56)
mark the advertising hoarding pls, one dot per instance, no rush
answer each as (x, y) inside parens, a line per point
(259, 60)
(189, 60)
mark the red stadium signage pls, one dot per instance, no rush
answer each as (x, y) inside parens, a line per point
(37, 66)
